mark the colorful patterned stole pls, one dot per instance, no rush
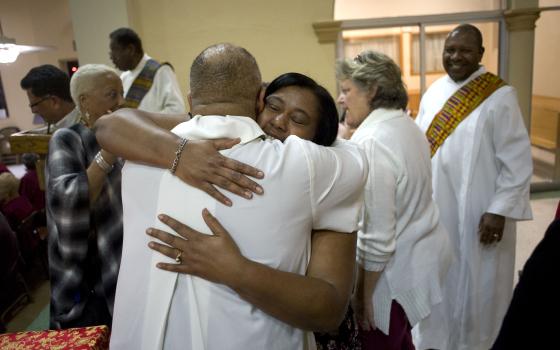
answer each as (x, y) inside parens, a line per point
(141, 84)
(459, 106)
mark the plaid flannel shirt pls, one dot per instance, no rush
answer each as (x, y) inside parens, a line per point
(84, 243)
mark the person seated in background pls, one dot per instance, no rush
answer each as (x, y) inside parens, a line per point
(84, 208)
(14, 207)
(48, 91)
(4, 168)
(29, 183)
(9, 261)
(148, 85)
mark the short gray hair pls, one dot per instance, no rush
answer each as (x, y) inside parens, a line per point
(83, 81)
(370, 70)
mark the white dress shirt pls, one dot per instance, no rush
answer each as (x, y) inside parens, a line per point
(306, 187)
(164, 96)
(400, 232)
(69, 119)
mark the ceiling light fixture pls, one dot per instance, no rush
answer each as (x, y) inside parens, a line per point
(9, 50)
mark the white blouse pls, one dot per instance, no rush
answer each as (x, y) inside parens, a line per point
(400, 233)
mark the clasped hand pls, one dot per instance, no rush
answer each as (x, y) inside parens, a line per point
(215, 258)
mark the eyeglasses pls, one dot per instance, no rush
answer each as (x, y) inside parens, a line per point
(38, 102)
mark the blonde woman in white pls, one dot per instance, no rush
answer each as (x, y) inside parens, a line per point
(403, 249)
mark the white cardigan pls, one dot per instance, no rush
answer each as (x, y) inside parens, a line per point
(400, 232)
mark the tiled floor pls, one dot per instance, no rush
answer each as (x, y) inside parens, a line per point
(41, 297)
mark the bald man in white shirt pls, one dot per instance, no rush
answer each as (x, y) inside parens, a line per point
(306, 187)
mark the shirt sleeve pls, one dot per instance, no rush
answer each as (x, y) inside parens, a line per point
(168, 91)
(68, 201)
(513, 158)
(377, 236)
(337, 178)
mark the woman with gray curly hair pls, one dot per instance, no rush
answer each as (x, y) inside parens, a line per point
(403, 250)
(84, 208)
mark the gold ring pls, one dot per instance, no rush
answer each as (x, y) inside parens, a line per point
(178, 257)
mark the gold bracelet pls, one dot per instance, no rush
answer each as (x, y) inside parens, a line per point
(178, 153)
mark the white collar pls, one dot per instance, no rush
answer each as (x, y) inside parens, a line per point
(481, 70)
(140, 64)
(211, 127)
(379, 115)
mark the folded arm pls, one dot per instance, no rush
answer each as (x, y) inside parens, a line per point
(317, 301)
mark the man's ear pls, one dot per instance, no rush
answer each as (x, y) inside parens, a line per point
(260, 100)
(372, 92)
(56, 101)
(481, 52)
(189, 100)
(131, 49)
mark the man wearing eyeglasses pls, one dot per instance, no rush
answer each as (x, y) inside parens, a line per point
(48, 91)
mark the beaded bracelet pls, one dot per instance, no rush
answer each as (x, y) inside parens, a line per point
(178, 156)
(102, 163)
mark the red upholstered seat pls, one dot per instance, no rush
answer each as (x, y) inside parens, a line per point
(87, 338)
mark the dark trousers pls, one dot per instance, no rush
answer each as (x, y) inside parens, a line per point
(399, 338)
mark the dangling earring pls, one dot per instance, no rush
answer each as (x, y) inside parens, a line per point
(85, 118)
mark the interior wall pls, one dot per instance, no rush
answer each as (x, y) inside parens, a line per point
(352, 9)
(279, 34)
(546, 72)
(93, 21)
(32, 22)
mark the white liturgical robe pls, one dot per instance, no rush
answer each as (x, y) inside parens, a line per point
(305, 187)
(483, 166)
(164, 95)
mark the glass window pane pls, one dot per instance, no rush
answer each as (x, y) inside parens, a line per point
(387, 41)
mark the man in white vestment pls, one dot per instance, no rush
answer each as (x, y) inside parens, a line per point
(481, 174)
(148, 84)
(305, 187)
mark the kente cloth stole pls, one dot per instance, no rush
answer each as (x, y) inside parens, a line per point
(459, 106)
(141, 84)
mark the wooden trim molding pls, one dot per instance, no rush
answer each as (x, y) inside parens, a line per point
(327, 32)
(521, 19)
